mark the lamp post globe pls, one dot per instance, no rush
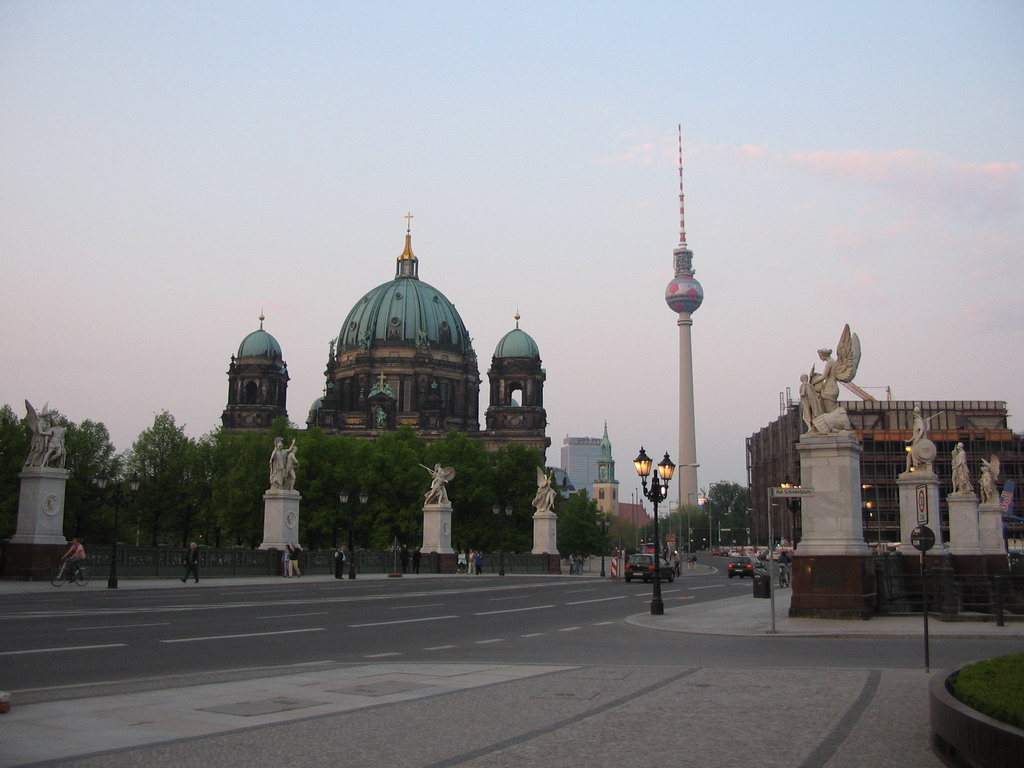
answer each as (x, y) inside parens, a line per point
(658, 491)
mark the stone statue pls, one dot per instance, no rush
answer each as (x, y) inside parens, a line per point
(438, 494)
(544, 499)
(291, 461)
(922, 450)
(47, 448)
(279, 465)
(819, 392)
(958, 464)
(987, 481)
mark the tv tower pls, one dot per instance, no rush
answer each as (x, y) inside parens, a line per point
(684, 296)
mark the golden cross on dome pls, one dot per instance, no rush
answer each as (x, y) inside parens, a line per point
(381, 381)
(408, 222)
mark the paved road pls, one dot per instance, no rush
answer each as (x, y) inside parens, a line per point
(590, 677)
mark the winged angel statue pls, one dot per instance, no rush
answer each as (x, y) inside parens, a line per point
(819, 392)
(987, 481)
(440, 475)
(544, 499)
(47, 449)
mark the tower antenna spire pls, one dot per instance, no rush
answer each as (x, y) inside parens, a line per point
(682, 218)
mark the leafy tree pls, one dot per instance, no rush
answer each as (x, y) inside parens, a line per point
(163, 455)
(88, 514)
(577, 525)
(239, 473)
(14, 447)
(727, 507)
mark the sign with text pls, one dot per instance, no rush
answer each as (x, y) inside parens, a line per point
(922, 504)
(791, 492)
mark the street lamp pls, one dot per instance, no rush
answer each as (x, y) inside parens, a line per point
(602, 525)
(118, 492)
(343, 498)
(657, 492)
(503, 519)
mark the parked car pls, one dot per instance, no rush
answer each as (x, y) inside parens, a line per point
(642, 567)
(742, 566)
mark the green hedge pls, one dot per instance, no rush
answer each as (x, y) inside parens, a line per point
(994, 688)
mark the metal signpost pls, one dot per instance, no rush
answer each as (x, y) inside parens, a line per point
(923, 538)
(776, 493)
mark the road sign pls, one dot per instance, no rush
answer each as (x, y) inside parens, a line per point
(791, 492)
(922, 538)
(922, 504)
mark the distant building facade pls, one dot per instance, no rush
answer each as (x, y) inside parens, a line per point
(606, 487)
(579, 459)
(883, 428)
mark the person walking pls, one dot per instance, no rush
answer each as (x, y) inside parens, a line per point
(191, 561)
(478, 562)
(339, 563)
(403, 556)
(462, 562)
(286, 561)
(293, 558)
(416, 557)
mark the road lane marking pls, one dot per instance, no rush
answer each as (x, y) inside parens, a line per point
(568, 629)
(485, 642)
(67, 648)
(709, 586)
(418, 605)
(513, 610)
(534, 634)
(402, 621)
(596, 600)
(440, 647)
(246, 634)
(381, 655)
(514, 597)
(118, 626)
(604, 623)
(294, 615)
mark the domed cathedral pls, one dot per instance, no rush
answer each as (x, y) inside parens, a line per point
(516, 411)
(257, 383)
(403, 356)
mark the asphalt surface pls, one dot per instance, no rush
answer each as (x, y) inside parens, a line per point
(387, 713)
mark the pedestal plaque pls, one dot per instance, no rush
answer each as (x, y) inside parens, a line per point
(280, 519)
(41, 506)
(437, 529)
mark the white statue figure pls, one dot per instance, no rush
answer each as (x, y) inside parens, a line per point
(922, 450)
(958, 465)
(279, 464)
(438, 494)
(544, 499)
(819, 392)
(291, 461)
(987, 481)
(47, 448)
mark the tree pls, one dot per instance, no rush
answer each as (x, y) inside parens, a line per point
(89, 454)
(14, 447)
(577, 525)
(239, 478)
(163, 455)
(727, 506)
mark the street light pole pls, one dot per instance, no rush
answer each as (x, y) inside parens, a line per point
(118, 492)
(657, 492)
(343, 498)
(602, 525)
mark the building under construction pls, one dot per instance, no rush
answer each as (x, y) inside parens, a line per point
(884, 429)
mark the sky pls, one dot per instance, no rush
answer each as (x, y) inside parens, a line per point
(168, 170)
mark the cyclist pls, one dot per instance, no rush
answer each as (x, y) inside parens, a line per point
(784, 562)
(75, 557)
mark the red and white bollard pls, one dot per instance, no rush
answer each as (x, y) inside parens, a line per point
(615, 568)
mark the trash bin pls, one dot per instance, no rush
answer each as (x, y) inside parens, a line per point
(762, 583)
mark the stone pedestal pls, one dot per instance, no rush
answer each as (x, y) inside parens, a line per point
(976, 536)
(833, 575)
(545, 533)
(964, 528)
(831, 518)
(41, 506)
(990, 527)
(437, 529)
(280, 519)
(919, 505)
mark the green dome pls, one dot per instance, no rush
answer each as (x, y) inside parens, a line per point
(259, 344)
(517, 343)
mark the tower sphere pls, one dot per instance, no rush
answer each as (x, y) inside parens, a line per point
(684, 294)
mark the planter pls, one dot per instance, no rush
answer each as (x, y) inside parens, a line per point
(964, 737)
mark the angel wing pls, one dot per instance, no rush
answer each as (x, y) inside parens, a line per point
(31, 417)
(993, 466)
(847, 355)
(542, 478)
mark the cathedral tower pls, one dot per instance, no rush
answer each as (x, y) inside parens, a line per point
(257, 383)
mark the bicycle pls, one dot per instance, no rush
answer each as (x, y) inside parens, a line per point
(62, 575)
(783, 576)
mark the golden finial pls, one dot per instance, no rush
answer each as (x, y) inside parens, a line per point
(517, 316)
(408, 222)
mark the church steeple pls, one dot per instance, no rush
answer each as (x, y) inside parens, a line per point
(606, 487)
(408, 264)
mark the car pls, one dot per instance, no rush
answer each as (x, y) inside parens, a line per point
(742, 566)
(642, 567)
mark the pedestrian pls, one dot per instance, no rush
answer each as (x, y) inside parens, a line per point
(675, 562)
(403, 555)
(286, 559)
(296, 550)
(75, 557)
(478, 562)
(339, 563)
(416, 557)
(462, 562)
(471, 562)
(191, 561)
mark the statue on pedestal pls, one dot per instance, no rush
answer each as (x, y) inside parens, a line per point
(438, 494)
(282, 461)
(987, 481)
(958, 464)
(819, 392)
(544, 499)
(47, 448)
(922, 450)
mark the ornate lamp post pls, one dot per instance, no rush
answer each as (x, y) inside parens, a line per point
(602, 526)
(657, 492)
(497, 509)
(343, 498)
(118, 492)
